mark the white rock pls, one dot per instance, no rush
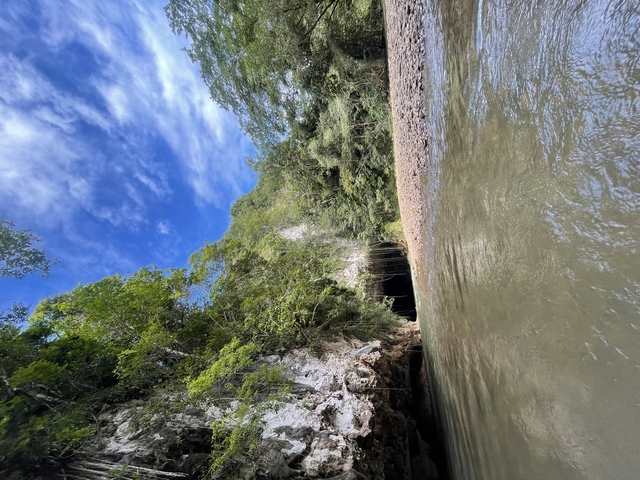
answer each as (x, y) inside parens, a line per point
(328, 454)
(328, 411)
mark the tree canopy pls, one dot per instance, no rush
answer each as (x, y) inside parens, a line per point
(308, 80)
(268, 60)
(18, 256)
(121, 337)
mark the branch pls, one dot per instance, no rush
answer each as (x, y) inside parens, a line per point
(334, 2)
(48, 401)
(176, 353)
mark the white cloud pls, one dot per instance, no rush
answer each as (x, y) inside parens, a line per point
(164, 227)
(214, 158)
(147, 84)
(35, 166)
(118, 103)
(87, 150)
(154, 84)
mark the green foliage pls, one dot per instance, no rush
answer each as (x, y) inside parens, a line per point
(233, 358)
(18, 258)
(80, 350)
(267, 293)
(116, 310)
(227, 446)
(308, 81)
(69, 437)
(393, 232)
(337, 162)
(271, 204)
(238, 435)
(40, 372)
(233, 42)
(265, 382)
(12, 318)
(356, 192)
(150, 355)
(280, 294)
(267, 61)
(14, 348)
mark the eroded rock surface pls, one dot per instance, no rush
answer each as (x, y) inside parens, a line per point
(347, 417)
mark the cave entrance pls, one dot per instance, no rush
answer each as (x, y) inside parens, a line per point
(391, 275)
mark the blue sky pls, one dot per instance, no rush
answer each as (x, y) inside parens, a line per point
(111, 149)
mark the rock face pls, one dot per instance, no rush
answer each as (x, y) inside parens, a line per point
(348, 416)
(350, 252)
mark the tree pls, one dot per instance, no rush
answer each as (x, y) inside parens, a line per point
(82, 349)
(135, 318)
(267, 60)
(18, 256)
(230, 40)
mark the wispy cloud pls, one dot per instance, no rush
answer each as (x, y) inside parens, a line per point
(102, 117)
(150, 85)
(163, 227)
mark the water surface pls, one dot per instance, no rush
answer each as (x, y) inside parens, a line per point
(530, 306)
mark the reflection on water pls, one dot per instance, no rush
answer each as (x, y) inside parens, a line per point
(531, 303)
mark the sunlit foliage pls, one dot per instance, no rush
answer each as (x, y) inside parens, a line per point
(308, 81)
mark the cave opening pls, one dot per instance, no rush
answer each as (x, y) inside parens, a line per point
(391, 274)
(391, 278)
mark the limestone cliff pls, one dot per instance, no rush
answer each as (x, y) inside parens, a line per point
(348, 415)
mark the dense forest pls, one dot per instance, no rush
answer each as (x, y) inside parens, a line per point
(308, 80)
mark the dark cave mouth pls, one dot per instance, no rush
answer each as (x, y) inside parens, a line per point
(391, 278)
(391, 275)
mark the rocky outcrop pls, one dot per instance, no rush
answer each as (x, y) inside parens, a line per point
(348, 416)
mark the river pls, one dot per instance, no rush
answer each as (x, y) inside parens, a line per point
(529, 299)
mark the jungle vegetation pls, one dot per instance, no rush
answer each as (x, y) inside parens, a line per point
(308, 80)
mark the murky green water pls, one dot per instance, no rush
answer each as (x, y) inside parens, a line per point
(531, 302)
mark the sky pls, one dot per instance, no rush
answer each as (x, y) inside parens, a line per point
(111, 149)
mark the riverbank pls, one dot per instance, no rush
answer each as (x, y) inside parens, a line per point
(359, 410)
(406, 53)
